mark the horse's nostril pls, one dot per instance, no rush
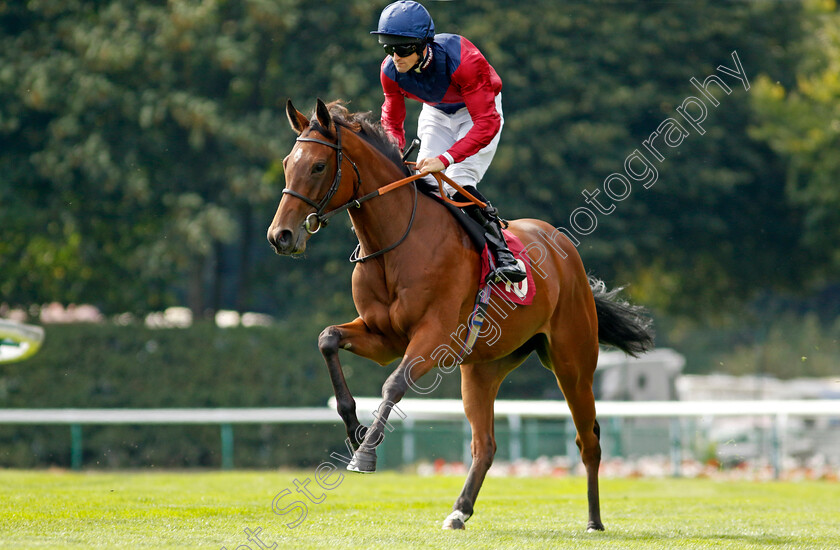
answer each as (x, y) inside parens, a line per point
(280, 240)
(285, 238)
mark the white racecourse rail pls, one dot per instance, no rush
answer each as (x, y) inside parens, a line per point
(413, 410)
(515, 410)
(452, 409)
(421, 409)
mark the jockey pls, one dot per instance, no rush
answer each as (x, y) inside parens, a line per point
(461, 119)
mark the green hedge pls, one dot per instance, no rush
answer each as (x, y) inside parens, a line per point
(105, 365)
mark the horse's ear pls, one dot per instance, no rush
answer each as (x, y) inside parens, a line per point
(298, 121)
(323, 114)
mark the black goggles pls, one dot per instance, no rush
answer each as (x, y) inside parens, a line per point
(402, 50)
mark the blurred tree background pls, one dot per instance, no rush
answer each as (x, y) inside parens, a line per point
(141, 146)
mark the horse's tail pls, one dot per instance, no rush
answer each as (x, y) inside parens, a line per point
(620, 323)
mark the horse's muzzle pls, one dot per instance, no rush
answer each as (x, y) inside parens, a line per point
(282, 240)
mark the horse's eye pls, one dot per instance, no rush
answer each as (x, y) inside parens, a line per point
(319, 167)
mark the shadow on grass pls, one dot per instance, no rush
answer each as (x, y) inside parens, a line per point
(673, 539)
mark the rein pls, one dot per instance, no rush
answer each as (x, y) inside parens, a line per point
(322, 218)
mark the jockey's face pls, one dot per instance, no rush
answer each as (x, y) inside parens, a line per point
(404, 64)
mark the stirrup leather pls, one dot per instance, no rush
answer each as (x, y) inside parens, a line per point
(506, 268)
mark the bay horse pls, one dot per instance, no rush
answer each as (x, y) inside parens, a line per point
(419, 284)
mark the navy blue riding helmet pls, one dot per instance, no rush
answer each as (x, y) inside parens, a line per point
(405, 23)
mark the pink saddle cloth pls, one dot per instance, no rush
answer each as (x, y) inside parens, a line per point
(521, 293)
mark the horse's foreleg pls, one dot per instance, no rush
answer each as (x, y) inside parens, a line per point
(411, 368)
(357, 338)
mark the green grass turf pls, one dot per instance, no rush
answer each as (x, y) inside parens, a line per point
(390, 510)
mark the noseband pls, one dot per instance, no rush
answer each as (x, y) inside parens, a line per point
(319, 216)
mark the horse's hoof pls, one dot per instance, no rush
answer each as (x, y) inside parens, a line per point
(453, 524)
(455, 520)
(594, 527)
(363, 462)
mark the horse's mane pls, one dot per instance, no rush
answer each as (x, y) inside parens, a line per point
(372, 132)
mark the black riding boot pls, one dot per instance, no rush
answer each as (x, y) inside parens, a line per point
(507, 268)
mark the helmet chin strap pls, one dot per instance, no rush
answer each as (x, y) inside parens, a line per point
(423, 62)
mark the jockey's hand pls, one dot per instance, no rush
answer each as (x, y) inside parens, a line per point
(432, 164)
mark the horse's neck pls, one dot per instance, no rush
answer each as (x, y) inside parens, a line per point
(383, 221)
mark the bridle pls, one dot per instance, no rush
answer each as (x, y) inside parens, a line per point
(321, 217)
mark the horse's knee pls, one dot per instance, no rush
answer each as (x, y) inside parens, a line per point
(328, 340)
(483, 451)
(347, 411)
(394, 387)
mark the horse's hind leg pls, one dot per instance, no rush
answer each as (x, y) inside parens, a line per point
(357, 338)
(574, 365)
(479, 386)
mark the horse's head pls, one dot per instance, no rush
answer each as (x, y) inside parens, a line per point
(313, 180)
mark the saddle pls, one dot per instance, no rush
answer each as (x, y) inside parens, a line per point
(521, 293)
